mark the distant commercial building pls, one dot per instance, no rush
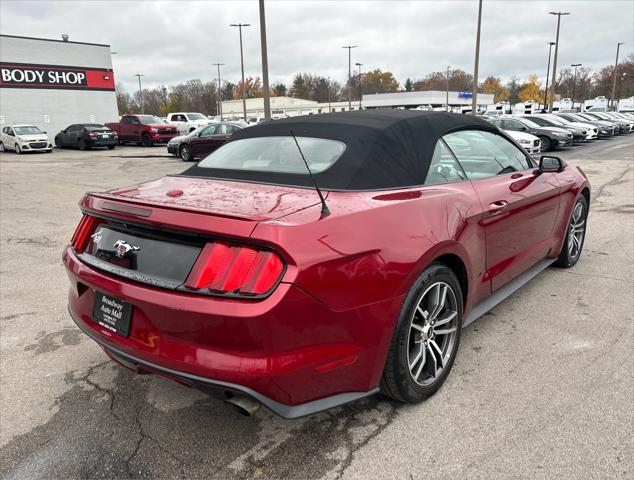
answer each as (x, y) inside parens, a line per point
(282, 106)
(54, 83)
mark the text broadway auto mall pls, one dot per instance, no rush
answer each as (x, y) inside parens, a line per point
(55, 83)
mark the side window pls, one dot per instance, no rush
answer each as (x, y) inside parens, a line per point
(125, 120)
(513, 125)
(443, 167)
(224, 129)
(207, 131)
(484, 154)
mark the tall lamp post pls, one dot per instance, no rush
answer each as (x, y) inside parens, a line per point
(266, 93)
(350, 47)
(360, 91)
(447, 92)
(574, 81)
(474, 96)
(244, 90)
(616, 64)
(164, 90)
(550, 49)
(140, 91)
(621, 77)
(219, 89)
(552, 94)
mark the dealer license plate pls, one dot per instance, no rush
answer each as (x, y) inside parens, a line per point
(112, 313)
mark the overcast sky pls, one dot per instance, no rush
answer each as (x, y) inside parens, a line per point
(170, 42)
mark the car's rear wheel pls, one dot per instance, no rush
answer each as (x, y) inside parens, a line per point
(546, 144)
(575, 235)
(146, 140)
(111, 147)
(185, 153)
(2, 147)
(82, 144)
(426, 337)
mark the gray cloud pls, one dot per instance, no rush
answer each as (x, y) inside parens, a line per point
(170, 42)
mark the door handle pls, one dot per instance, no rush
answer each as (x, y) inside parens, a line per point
(497, 207)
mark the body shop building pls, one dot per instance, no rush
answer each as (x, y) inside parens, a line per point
(54, 83)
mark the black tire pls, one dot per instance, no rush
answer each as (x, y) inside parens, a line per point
(185, 153)
(17, 149)
(146, 140)
(81, 144)
(546, 144)
(2, 149)
(572, 248)
(397, 380)
(111, 147)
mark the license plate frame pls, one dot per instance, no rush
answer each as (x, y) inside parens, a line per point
(112, 314)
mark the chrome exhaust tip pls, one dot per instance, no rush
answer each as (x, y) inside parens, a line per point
(243, 405)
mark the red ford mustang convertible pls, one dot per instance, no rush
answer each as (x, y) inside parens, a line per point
(313, 261)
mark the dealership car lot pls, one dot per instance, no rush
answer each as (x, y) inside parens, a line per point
(539, 388)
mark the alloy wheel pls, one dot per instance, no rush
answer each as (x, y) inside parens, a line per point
(185, 153)
(576, 231)
(432, 334)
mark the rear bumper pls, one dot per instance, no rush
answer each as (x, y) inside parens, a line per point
(288, 351)
(103, 143)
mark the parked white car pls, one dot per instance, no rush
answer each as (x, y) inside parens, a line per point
(187, 122)
(530, 143)
(24, 138)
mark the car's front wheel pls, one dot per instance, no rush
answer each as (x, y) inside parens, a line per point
(426, 337)
(546, 144)
(575, 235)
(146, 140)
(185, 153)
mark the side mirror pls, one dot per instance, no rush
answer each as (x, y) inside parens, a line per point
(550, 164)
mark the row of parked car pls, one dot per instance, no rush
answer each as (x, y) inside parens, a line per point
(548, 131)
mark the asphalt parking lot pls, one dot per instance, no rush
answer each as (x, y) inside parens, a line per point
(542, 386)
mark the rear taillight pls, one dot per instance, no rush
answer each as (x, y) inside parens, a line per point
(233, 269)
(85, 228)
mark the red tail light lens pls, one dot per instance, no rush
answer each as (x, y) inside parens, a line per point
(239, 270)
(85, 228)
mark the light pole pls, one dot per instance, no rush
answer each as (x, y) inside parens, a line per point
(474, 96)
(329, 109)
(552, 88)
(140, 91)
(164, 90)
(350, 47)
(574, 81)
(616, 64)
(447, 93)
(265, 65)
(623, 75)
(244, 90)
(550, 49)
(219, 90)
(360, 90)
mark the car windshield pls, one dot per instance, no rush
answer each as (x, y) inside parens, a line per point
(528, 123)
(149, 119)
(28, 130)
(94, 127)
(556, 119)
(196, 116)
(275, 154)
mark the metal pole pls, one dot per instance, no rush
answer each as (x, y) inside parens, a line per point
(474, 97)
(574, 81)
(140, 92)
(219, 90)
(554, 77)
(244, 90)
(265, 65)
(360, 91)
(550, 50)
(350, 47)
(447, 93)
(616, 64)
(329, 109)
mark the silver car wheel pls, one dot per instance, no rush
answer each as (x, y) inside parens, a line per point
(432, 334)
(576, 231)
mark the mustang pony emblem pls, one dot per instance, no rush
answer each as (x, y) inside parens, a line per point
(123, 248)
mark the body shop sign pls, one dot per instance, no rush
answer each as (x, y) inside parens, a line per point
(13, 75)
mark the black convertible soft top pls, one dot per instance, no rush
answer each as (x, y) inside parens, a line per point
(384, 148)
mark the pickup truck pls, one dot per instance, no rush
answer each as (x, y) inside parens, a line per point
(144, 129)
(187, 122)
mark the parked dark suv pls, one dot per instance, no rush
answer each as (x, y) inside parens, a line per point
(551, 137)
(86, 135)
